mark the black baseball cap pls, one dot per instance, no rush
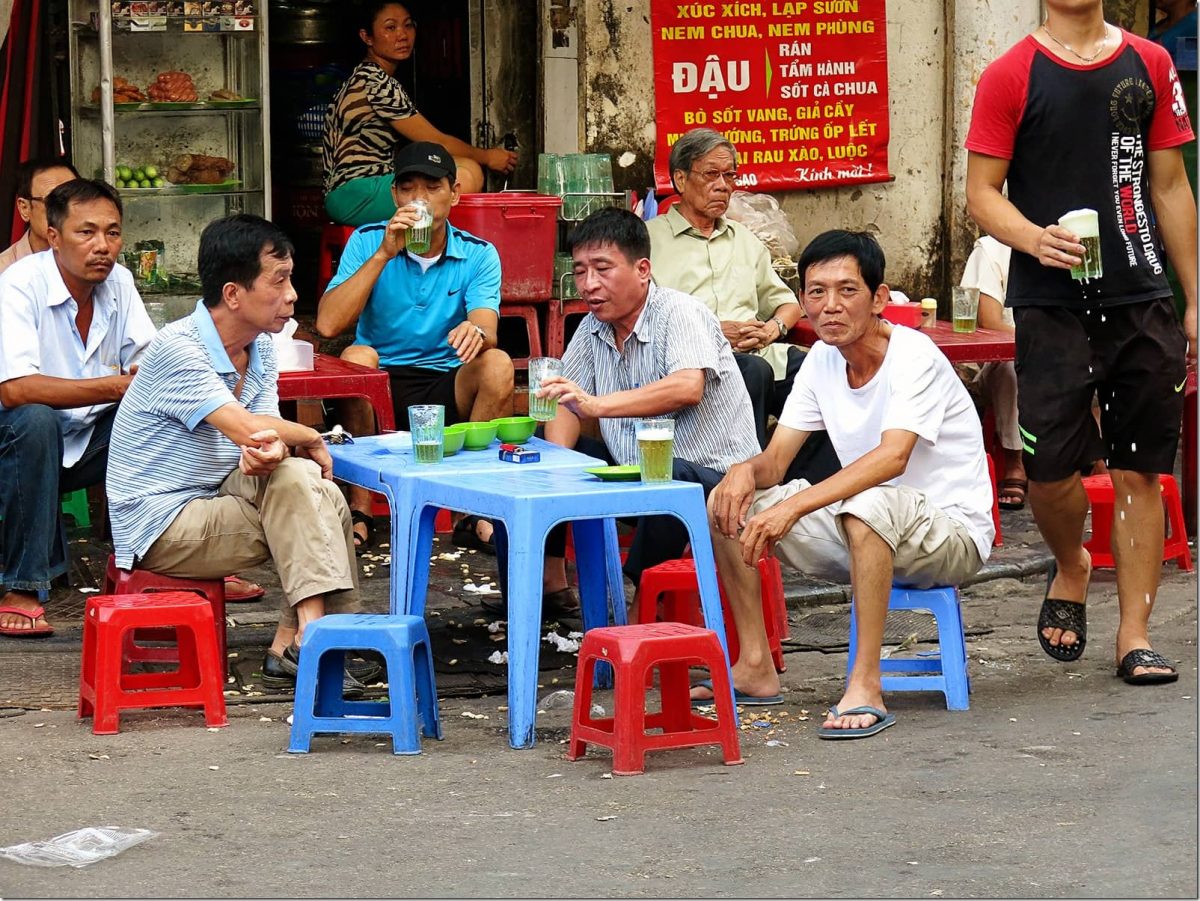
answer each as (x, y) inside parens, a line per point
(425, 158)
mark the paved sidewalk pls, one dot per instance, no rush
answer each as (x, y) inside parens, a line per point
(1059, 781)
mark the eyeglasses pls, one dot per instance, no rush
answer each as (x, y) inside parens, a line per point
(708, 176)
(36, 199)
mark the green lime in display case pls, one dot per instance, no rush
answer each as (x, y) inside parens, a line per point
(146, 176)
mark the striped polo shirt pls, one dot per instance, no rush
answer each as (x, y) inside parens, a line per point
(674, 331)
(163, 454)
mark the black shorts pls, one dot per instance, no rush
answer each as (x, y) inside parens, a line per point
(1131, 356)
(413, 385)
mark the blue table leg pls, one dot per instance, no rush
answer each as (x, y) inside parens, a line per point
(596, 590)
(616, 576)
(419, 550)
(526, 546)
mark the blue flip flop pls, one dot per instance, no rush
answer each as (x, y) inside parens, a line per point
(739, 698)
(882, 721)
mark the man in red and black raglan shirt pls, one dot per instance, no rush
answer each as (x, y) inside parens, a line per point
(1081, 114)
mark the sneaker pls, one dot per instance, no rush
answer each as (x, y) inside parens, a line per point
(279, 671)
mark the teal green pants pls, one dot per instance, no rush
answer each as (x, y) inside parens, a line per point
(363, 200)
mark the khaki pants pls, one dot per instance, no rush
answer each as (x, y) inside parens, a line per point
(293, 517)
(930, 548)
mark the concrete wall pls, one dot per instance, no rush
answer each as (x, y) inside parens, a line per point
(936, 52)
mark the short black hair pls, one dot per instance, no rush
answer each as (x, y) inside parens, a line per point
(78, 190)
(859, 246)
(231, 251)
(369, 10)
(28, 170)
(614, 226)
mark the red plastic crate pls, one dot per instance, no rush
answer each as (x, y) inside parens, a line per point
(523, 226)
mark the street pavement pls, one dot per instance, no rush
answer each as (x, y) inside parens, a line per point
(1060, 781)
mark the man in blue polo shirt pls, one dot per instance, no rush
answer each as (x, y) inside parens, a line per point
(428, 318)
(204, 477)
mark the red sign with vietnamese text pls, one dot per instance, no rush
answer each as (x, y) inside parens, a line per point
(800, 89)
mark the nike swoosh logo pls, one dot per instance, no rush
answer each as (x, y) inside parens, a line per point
(1179, 387)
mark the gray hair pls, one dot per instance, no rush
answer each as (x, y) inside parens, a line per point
(695, 144)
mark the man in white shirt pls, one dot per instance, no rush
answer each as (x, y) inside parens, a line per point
(912, 504)
(72, 328)
(35, 180)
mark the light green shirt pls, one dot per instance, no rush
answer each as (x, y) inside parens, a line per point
(729, 270)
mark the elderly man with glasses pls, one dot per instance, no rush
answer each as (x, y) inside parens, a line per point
(697, 250)
(35, 179)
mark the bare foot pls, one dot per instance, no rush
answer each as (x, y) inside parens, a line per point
(22, 601)
(753, 682)
(856, 696)
(1070, 585)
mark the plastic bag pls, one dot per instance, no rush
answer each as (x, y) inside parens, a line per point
(78, 848)
(761, 214)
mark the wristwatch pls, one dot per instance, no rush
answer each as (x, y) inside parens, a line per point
(782, 327)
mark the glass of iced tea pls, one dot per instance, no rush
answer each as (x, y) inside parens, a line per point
(426, 423)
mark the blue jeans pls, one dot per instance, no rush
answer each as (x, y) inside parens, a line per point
(33, 538)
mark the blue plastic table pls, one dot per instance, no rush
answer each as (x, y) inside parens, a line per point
(526, 500)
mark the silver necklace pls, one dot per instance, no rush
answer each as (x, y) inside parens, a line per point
(1086, 59)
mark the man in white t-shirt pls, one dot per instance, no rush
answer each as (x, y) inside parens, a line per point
(912, 504)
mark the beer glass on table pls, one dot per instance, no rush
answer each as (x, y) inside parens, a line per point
(656, 448)
(965, 302)
(427, 423)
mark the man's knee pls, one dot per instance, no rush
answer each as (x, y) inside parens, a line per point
(492, 374)
(295, 474)
(362, 354)
(861, 537)
(34, 427)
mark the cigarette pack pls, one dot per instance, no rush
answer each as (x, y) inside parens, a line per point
(516, 454)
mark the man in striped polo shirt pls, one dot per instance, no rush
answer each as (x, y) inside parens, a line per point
(644, 351)
(204, 476)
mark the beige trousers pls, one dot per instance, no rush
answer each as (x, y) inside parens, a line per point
(292, 516)
(930, 548)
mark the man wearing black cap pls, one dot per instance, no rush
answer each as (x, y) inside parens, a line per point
(429, 318)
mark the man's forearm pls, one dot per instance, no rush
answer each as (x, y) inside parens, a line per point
(1175, 210)
(873, 468)
(675, 392)
(340, 307)
(997, 216)
(63, 394)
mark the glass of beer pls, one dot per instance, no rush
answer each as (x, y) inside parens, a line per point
(1086, 224)
(426, 422)
(418, 238)
(656, 448)
(966, 308)
(543, 409)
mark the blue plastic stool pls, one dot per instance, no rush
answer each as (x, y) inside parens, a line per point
(404, 643)
(947, 667)
(75, 505)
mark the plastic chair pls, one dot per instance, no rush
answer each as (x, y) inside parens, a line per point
(106, 687)
(75, 505)
(633, 652)
(143, 581)
(1102, 496)
(674, 582)
(319, 707)
(533, 331)
(998, 540)
(556, 323)
(944, 670)
(333, 240)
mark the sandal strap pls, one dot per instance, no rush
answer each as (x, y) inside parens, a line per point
(1144, 657)
(1066, 615)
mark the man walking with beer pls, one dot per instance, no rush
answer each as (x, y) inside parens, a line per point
(644, 352)
(1085, 122)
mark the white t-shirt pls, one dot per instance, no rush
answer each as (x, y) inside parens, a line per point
(917, 390)
(987, 270)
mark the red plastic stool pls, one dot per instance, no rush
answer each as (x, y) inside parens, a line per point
(633, 652)
(106, 687)
(556, 323)
(1189, 453)
(333, 241)
(142, 581)
(998, 541)
(1102, 495)
(533, 329)
(675, 583)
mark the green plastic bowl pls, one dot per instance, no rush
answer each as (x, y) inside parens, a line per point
(478, 435)
(452, 439)
(515, 429)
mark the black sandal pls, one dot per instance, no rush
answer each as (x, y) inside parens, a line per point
(1146, 657)
(362, 545)
(1070, 616)
(465, 536)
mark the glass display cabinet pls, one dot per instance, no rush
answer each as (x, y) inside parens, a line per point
(170, 105)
